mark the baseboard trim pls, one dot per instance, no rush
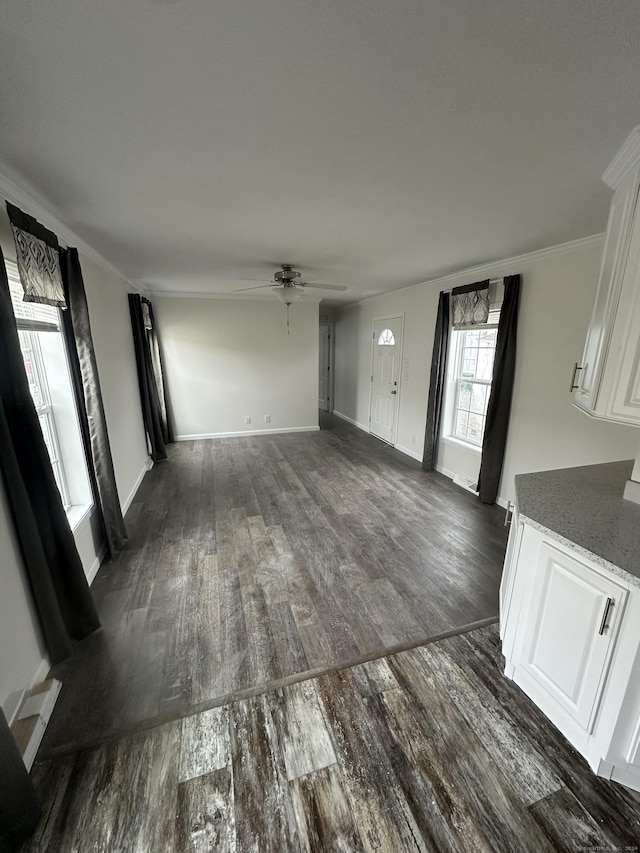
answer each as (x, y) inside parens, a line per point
(358, 425)
(447, 473)
(40, 674)
(351, 421)
(408, 452)
(95, 566)
(148, 465)
(245, 432)
(500, 501)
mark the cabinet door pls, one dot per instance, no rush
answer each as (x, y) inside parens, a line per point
(622, 373)
(573, 616)
(600, 328)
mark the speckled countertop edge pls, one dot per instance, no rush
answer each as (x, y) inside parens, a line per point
(584, 509)
(629, 577)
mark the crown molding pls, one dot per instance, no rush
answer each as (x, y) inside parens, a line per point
(626, 158)
(492, 268)
(266, 297)
(14, 193)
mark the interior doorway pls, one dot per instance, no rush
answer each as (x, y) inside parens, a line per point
(325, 402)
(385, 377)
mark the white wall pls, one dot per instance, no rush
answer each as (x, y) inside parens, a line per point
(227, 359)
(113, 344)
(353, 348)
(546, 431)
(21, 648)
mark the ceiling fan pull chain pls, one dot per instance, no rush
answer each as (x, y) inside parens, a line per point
(288, 329)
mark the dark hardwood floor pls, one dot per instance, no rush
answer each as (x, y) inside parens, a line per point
(253, 562)
(299, 653)
(430, 749)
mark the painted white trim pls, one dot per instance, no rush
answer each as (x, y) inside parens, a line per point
(463, 445)
(95, 566)
(445, 471)
(78, 514)
(500, 501)
(40, 674)
(351, 421)
(491, 268)
(628, 776)
(12, 192)
(260, 297)
(345, 418)
(248, 432)
(408, 452)
(148, 465)
(626, 158)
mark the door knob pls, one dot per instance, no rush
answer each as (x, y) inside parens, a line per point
(394, 392)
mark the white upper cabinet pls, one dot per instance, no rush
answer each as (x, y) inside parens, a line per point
(606, 383)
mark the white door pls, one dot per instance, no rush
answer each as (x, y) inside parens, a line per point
(385, 377)
(324, 368)
(567, 640)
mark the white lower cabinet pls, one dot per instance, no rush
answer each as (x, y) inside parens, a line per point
(568, 634)
(569, 644)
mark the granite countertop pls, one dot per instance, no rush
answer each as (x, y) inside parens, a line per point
(585, 507)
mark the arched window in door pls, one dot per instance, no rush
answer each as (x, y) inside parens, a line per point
(386, 339)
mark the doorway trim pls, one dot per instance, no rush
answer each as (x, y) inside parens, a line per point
(330, 356)
(375, 321)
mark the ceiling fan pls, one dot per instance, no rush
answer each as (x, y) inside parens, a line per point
(287, 284)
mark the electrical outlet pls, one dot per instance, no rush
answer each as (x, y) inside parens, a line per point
(247, 420)
(267, 419)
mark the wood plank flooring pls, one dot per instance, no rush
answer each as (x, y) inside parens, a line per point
(430, 749)
(256, 561)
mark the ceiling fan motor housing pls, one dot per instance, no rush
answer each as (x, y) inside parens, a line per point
(287, 275)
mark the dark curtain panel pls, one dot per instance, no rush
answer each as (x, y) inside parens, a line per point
(499, 407)
(436, 386)
(84, 371)
(158, 372)
(154, 413)
(58, 584)
(19, 808)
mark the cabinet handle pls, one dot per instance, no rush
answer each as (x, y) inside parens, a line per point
(576, 368)
(605, 616)
(506, 515)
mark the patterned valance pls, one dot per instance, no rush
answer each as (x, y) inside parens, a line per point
(470, 305)
(38, 259)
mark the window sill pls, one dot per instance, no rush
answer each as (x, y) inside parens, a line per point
(463, 445)
(78, 514)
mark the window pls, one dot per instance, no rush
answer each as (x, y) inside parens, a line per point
(386, 339)
(34, 365)
(45, 361)
(473, 352)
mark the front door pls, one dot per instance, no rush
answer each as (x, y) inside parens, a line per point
(324, 367)
(385, 377)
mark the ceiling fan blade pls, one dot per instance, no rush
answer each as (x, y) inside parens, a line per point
(321, 286)
(254, 279)
(258, 287)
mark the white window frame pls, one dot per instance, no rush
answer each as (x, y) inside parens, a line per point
(454, 379)
(67, 457)
(45, 411)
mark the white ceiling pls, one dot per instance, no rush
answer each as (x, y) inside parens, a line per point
(373, 143)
